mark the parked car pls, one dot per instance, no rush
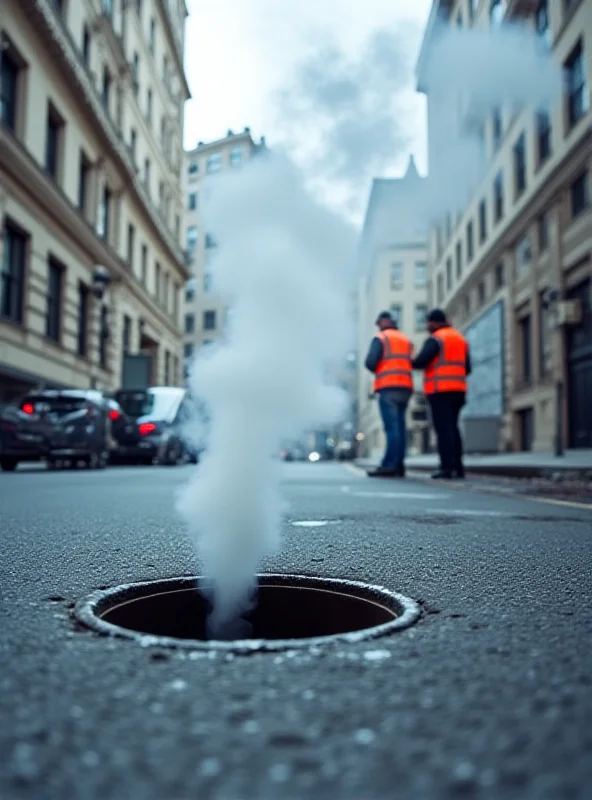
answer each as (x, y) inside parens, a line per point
(68, 425)
(151, 428)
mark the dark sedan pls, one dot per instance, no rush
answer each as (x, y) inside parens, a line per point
(151, 428)
(58, 426)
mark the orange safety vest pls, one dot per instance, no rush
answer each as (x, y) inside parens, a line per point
(448, 372)
(394, 368)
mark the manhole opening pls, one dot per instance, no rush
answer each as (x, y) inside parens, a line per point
(289, 611)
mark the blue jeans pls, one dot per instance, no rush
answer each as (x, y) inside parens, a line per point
(392, 410)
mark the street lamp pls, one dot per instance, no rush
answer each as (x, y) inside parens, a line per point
(101, 280)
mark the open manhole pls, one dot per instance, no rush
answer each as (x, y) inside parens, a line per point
(291, 611)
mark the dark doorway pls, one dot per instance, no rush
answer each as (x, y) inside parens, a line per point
(579, 370)
(526, 427)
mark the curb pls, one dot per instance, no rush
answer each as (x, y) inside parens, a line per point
(560, 472)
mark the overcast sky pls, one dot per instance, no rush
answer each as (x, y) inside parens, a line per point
(261, 63)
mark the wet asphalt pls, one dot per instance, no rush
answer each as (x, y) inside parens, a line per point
(489, 695)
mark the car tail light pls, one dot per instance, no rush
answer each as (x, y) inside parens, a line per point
(28, 408)
(114, 414)
(146, 428)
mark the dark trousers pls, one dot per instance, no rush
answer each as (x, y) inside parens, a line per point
(445, 408)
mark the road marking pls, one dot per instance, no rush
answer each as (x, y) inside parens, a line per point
(568, 503)
(357, 471)
(310, 523)
(395, 495)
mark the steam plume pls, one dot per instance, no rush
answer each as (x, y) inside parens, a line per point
(282, 265)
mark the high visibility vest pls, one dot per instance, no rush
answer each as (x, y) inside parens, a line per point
(448, 372)
(394, 368)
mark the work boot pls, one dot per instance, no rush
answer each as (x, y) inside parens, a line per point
(443, 474)
(400, 471)
(382, 472)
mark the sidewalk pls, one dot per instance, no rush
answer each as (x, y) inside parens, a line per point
(574, 464)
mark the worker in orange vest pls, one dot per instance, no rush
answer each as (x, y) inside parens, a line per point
(446, 361)
(389, 358)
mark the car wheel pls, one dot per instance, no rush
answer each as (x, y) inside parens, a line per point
(8, 464)
(174, 454)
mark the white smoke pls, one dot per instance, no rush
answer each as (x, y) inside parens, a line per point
(282, 264)
(468, 74)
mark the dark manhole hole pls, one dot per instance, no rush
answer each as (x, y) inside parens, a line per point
(291, 611)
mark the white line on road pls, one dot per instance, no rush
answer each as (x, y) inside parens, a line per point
(396, 495)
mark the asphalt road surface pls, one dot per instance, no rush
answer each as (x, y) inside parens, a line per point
(489, 695)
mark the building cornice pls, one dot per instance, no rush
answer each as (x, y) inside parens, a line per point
(16, 162)
(61, 46)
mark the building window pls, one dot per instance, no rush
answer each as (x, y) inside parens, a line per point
(523, 256)
(236, 156)
(106, 90)
(144, 265)
(152, 36)
(214, 163)
(189, 323)
(83, 176)
(131, 234)
(192, 237)
(104, 216)
(139, 8)
(397, 313)
(127, 333)
(188, 350)
(192, 202)
(86, 45)
(481, 293)
(209, 320)
(53, 142)
(82, 338)
(473, 6)
(448, 274)
(546, 355)
(165, 70)
(541, 21)
(193, 168)
(210, 242)
(577, 90)
(12, 277)
(421, 277)
(498, 196)
(520, 165)
(467, 304)
(440, 289)
(458, 259)
(207, 282)
(190, 290)
(482, 221)
(167, 368)
(543, 232)
(166, 292)
(580, 194)
(147, 174)
(133, 145)
(470, 242)
(499, 275)
(421, 311)
(149, 106)
(136, 73)
(543, 136)
(108, 7)
(397, 275)
(9, 84)
(498, 128)
(459, 20)
(103, 336)
(53, 313)
(525, 335)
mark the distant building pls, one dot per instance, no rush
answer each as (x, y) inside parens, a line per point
(393, 278)
(91, 122)
(514, 268)
(205, 312)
